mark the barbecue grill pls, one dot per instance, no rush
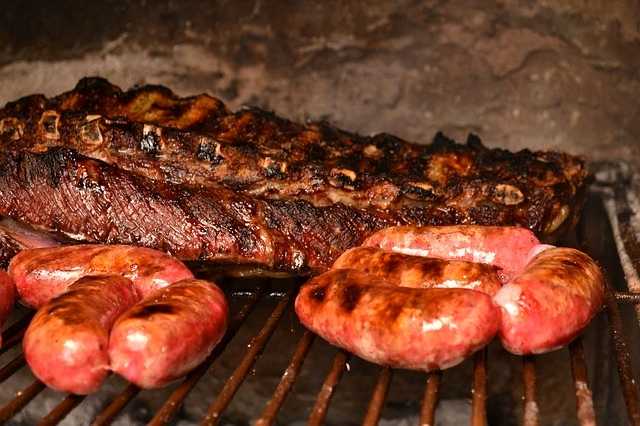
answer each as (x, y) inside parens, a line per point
(266, 306)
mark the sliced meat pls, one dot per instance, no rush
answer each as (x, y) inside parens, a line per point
(42, 274)
(506, 247)
(420, 272)
(15, 236)
(165, 336)
(551, 302)
(422, 329)
(66, 342)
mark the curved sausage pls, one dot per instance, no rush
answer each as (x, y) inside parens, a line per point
(422, 329)
(165, 336)
(66, 343)
(7, 297)
(420, 272)
(44, 273)
(503, 246)
(547, 305)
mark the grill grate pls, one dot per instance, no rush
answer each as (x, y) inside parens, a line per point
(585, 412)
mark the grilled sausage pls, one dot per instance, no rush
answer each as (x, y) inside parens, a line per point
(547, 305)
(420, 272)
(422, 329)
(66, 343)
(44, 273)
(165, 336)
(505, 247)
(7, 297)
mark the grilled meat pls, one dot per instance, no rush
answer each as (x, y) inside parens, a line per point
(198, 142)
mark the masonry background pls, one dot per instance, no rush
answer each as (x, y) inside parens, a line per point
(545, 75)
(550, 74)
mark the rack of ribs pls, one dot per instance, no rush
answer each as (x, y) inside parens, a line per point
(190, 177)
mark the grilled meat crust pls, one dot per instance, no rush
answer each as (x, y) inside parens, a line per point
(198, 142)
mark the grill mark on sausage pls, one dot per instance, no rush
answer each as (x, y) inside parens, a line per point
(318, 294)
(156, 308)
(350, 296)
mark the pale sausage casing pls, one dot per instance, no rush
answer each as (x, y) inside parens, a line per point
(66, 342)
(168, 334)
(420, 272)
(423, 329)
(547, 305)
(44, 273)
(503, 246)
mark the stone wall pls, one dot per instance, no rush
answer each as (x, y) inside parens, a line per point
(546, 75)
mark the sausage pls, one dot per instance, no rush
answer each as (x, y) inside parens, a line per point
(503, 246)
(7, 297)
(420, 272)
(421, 329)
(44, 273)
(66, 342)
(165, 336)
(547, 305)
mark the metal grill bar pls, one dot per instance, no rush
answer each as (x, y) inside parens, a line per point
(13, 334)
(113, 409)
(530, 414)
(319, 410)
(584, 398)
(623, 357)
(61, 410)
(625, 297)
(289, 376)
(177, 397)
(376, 404)
(479, 390)
(430, 399)
(14, 365)
(236, 379)
(22, 398)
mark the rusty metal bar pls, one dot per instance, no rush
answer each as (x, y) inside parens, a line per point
(479, 390)
(22, 398)
(623, 357)
(320, 408)
(61, 410)
(110, 412)
(530, 413)
(584, 398)
(175, 400)
(376, 404)
(14, 365)
(13, 334)
(430, 399)
(270, 412)
(256, 346)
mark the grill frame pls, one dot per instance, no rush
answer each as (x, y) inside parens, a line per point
(585, 411)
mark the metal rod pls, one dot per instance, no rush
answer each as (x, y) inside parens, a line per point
(584, 398)
(623, 357)
(13, 334)
(106, 416)
(625, 297)
(530, 415)
(256, 346)
(319, 410)
(14, 365)
(376, 404)
(479, 390)
(175, 400)
(22, 398)
(60, 412)
(270, 412)
(430, 399)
